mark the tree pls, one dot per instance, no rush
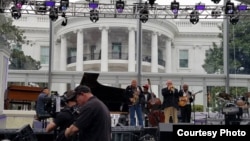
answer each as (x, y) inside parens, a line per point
(239, 51)
(21, 62)
(10, 34)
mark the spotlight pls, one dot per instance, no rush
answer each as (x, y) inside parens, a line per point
(53, 15)
(234, 20)
(151, 2)
(93, 5)
(19, 3)
(216, 1)
(40, 6)
(200, 7)
(175, 8)
(119, 6)
(194, 17)
(215, 13)
(65, 19)
(15, 12)
(229, 10)
(241, 7)
(144, 15)
(94, 15)
(64, 4)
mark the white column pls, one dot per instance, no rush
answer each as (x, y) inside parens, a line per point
(154, 52)
(131, 49)
(79, 53)
(104, 49)
(4, 62)
(168, 59)
(56, 56)
(63, 56)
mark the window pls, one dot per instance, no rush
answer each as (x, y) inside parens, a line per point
(183, 62)
(44, 58)
(71, 52)
(92, 52)
(116, 50)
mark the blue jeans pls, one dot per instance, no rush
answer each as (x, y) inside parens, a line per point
(138, 109)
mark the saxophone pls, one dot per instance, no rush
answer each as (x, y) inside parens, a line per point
(135, 98)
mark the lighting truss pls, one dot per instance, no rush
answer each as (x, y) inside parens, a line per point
(81, 9)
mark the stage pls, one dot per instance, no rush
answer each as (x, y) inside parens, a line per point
(125, 133)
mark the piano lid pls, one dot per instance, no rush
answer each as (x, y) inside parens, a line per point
(111, 96)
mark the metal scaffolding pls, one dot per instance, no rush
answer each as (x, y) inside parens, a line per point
(130, 11)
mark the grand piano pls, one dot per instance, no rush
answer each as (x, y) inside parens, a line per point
(111, 96)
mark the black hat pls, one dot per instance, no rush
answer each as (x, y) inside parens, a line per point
(69, 95)
(82, 88)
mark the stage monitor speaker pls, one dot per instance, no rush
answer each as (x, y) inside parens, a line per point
(166, 130)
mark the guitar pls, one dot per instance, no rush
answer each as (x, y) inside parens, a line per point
(184, 99)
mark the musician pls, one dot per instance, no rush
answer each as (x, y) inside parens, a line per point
(186, 109)
(134, 96)
(170, 102)
(145, 102)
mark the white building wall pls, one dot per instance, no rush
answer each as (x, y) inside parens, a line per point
(183, 35)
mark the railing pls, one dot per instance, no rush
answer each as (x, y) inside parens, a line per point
(147, 58)
(112, 55)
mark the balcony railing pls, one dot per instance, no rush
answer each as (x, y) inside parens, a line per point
(112, 55)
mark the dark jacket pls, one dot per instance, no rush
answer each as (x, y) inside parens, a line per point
(129, 94)
(170, 98)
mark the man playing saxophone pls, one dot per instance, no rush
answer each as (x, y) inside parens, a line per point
(170, 102)
(134, 94)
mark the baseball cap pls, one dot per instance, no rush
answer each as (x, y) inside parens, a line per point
(82, 88)
(146, 86)
(69, 95)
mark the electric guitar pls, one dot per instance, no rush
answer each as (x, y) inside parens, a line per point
(184, 99)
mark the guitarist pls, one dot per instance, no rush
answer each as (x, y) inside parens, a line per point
(186, 98)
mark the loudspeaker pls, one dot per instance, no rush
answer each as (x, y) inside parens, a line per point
(166, 130)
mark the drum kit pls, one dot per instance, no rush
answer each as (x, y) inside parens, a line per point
(233, 106)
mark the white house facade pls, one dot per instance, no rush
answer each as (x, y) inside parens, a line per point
(110, 44)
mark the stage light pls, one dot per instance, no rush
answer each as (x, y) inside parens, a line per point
(194, 17)
(151, 2)
(241, 7)
(200, 7)
(175, 8)
(64, 4)
(119, 6)
(65, 19)
(15, 12)
(94, 15)
(19, 3)
(53, 15)
(216, 1)
(216, 13)
(234, 19)
(40, 6)
(144, 15)
(50, 3)
(229, 9)
(93, 5)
